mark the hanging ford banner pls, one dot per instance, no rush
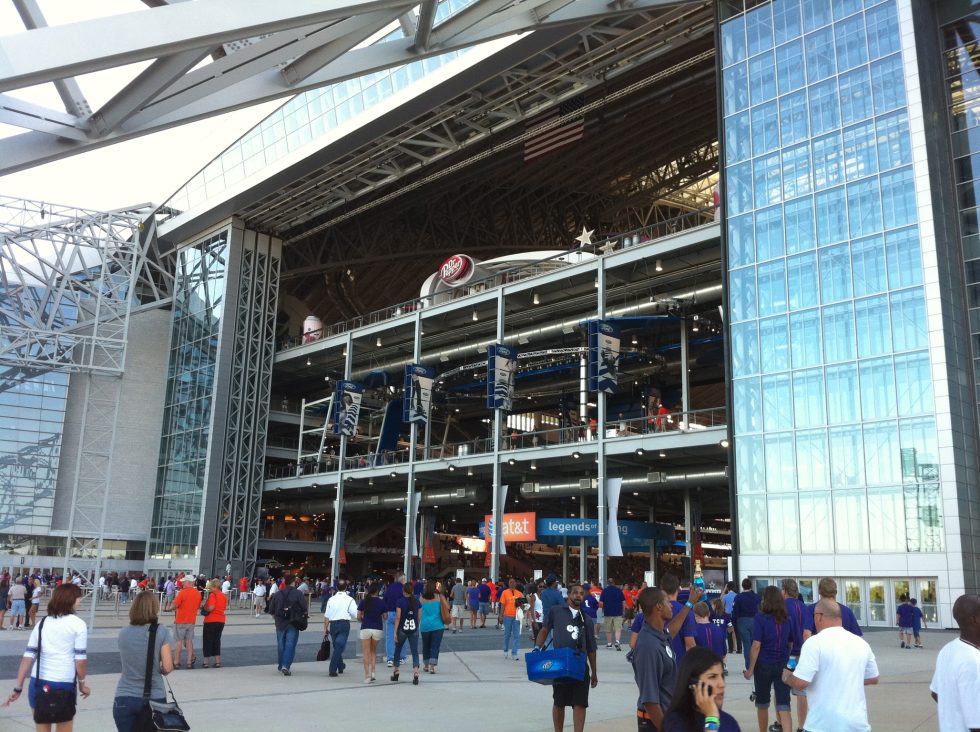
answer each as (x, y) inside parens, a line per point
(457, 270)
(501, 369)
(603, 356)
(348, 401)
(418, 393)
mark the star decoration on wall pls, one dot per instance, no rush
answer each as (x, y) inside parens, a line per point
(585, 238)
(608, 247)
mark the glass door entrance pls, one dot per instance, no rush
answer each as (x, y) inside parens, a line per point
(877, 603)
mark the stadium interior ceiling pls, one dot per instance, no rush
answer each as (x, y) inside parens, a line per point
(363, 232)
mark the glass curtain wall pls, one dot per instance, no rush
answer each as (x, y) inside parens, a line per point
(835, 436)
(199, 310)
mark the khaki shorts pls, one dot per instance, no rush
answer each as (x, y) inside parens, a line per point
(612, 622)
(372, 634)
(458, 611)
(183, 632)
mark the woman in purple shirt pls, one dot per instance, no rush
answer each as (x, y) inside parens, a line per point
(372, 613)
(772, 637)
(699, 695)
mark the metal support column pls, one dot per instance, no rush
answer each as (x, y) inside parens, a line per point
(496, 489)
(601, 434)
(653, 544)
(564, 560)
(685, 378)
(338, 515)
(408, 565)
(688, 529)
(583, 546)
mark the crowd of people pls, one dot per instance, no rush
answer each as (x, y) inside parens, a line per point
(678, 645)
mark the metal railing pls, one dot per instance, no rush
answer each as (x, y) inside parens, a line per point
(637, 237)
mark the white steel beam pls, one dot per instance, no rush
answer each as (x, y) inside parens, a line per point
(19, 113)
(427, 16)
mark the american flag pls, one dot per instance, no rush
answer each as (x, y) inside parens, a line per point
(561, 134)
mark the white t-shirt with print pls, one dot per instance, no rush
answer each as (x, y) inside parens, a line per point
(64, 640)
(957, 684)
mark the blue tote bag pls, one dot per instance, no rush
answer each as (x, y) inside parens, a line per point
(557, 665)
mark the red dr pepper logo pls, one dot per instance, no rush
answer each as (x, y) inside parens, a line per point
(455, 268)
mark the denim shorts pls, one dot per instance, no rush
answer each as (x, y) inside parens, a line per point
(770, 676)
(484, 608)
(17, 607)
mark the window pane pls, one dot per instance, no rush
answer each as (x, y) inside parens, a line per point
(777, 402)
(883, 34)
(733, 41)
(920, 450)
(808, 398)
(772, 287)
(805, 338)
(784, 525)
(888, 84)
(789, 65)
(904, 258)
(835, 273)
(852, 49)
(816, 525)
(753, 528)
(908, 310)
(750, 457)
(824, 107)
(878, 399)
(765, 128)
(868, 265)
(737, 138)
(843, 395)
(898, 198)
(913, 383)
(766, 180)
(773, 345)
(758, 29)
(871, 325)
(859, 151)
(894, 144)
(816, 13)
(846, 457)
(820, 55)
(762, 78)
(827, 161)
(925, 534)
(745, 349)
(741, 242)
(736, 80)
(850, 521)
(742, 293)
(863, 208)
(769, 233)
(748, 405)
(831, 216)
(793, 118)
(882, 457)
(787, 20)
(780, 462)
(812, 465)
(739, 188)
(838, 332)
(886, 512)
(801, 275)
(796, 171)
(799, 225)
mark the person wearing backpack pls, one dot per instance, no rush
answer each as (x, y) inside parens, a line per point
(285, 607)
(407, 629)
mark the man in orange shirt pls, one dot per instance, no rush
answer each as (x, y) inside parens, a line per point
(186, 604)
(508, 611)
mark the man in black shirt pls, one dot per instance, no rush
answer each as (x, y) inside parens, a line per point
(571, 628)
(654, 667)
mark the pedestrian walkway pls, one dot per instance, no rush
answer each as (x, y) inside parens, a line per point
(473, 682)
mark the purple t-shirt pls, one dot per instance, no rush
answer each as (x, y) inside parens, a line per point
(392, 595)
(373, 608)
(846, 615)
(797, 613)
(687, 631)
(674, 723)
(774, 637)
(711, 637)
(473, 597)
(906, 615)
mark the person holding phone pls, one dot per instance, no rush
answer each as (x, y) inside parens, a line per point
(699, 695)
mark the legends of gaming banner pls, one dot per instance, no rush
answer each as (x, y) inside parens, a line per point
(501, 369)
(418, 393)
(603, 356)
(348, 401)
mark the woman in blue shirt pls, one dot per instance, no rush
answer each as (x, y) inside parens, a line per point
(699, 695)
(772, 637)
(373, 613)
(431, 625)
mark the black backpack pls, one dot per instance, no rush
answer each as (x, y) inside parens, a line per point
(294, 609)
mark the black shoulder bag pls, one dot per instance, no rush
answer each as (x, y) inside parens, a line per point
(155, 716)
(51, 706)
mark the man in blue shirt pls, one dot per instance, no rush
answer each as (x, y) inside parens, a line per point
(391, 597)
(484, 597)
(613, 601)
(827, 588)
(744, 608)
(904, 618)
(550, 596)
(734, 642)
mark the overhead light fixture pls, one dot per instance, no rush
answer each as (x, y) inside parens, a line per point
(534, 465)
(659, 266)
(535, 298)
(398, 310)
(640, 452)
(370, 481)
(377, 343)
(348, 479)
(576, 454)
(694, 327)
(308, 362)
(512, 461)
(596, 282)
(392, 474)
(476, 316)
(663, 454)
(724, 443)
(452, 468)
(634, 341)
(469, 473)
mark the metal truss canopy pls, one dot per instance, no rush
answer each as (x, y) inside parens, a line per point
(68, 281)
(207, 58)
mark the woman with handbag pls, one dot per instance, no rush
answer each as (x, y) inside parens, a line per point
(407, 629)
(213, 611)
(434, 616)
(58, 645)
(133, 647)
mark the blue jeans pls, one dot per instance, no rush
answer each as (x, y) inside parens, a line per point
(413, 644)
(286, 639)
(431, 640)
(125, 709)
(390, 637)
(743, 626)
(512, 635)
(339, 632)
(770, 677)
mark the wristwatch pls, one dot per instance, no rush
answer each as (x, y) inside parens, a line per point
(18, 691)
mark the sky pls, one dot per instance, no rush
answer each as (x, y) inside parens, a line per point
(145, 170)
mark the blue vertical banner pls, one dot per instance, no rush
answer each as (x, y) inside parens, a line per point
(348, 402)
(603, 356)
(418, 393)
(501, 369)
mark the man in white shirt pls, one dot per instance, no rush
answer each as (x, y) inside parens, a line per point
(226, 585)
(341, 609)
(834, 668)
(956, 683)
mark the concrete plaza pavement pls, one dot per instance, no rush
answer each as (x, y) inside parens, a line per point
(487, 691)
